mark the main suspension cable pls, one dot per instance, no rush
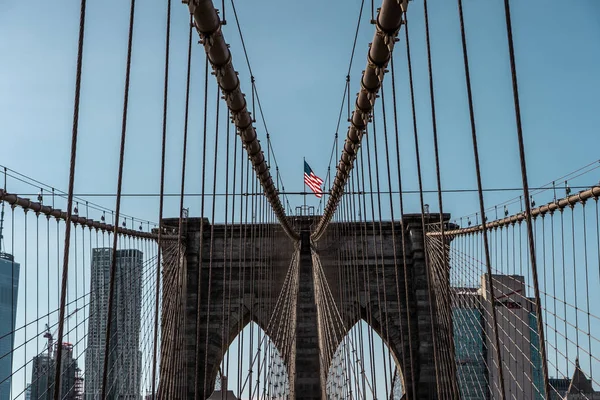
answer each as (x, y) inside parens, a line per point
(208, 25)
(389, 21)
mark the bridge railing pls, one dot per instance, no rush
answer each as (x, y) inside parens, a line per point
(566, 233)
(31, 262)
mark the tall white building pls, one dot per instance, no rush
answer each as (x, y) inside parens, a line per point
(124, 361)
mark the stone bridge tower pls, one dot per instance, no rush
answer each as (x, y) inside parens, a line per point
(230, 287)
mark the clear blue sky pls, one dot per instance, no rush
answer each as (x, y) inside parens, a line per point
(299, 52)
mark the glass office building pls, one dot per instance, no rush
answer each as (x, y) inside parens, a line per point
(9, 286)
(470, 346)
(475, 368)
(536, 359)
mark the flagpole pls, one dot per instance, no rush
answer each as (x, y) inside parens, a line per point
(304, 159)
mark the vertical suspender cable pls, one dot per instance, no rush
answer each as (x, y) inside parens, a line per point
(208, 26)
(481, 205)
(422, 203)
(402, 234)
(231, 237)
(162, 195)
(389, 21)
(65, 271)
(383, 276)
(536, 289)
(211, 246)
(183, 166)
(197, 393)
(446, 270)
(394, 247)
(113, 265)
(375, 256)
(225, 322)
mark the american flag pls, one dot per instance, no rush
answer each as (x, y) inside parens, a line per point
(312, 181)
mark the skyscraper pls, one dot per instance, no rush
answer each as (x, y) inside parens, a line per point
(9, 286)
(470, 344)
(124, 368)
(475, 357)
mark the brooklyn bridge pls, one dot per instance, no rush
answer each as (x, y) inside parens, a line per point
(442, 243)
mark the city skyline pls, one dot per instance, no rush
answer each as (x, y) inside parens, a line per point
(43, 368)
(125, 348)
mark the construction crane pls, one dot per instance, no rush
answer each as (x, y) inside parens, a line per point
(50, 336)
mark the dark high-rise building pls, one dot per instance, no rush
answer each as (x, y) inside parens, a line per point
(475, 365)
(124, 369)
(559, 388)
(470, 344)
(9, 286)
(43, 376)
(580, 386)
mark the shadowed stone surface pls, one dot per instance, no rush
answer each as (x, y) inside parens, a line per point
(308, 383)
(366, 288)
(363, 264)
